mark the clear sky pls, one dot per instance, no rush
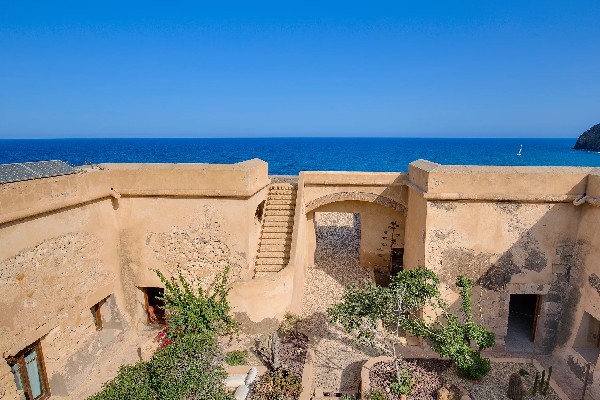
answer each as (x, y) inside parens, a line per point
(480, 68)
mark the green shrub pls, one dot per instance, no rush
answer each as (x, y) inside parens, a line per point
(191, 312)
(187, 369)
(404, 383)
(132, 382)
(280, 384)
(397, 306)
(236, 357)
(288, 325)
(376, 395)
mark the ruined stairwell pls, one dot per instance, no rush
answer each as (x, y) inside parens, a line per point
(277, 226)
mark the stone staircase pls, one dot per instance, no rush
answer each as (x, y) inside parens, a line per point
(276, 235)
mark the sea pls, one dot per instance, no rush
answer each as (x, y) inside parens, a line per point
(289, 156)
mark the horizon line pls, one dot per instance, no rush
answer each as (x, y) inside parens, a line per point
(290, 137)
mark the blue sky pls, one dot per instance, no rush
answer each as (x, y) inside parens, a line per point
(286, 68)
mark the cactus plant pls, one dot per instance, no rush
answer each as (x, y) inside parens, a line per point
(542, 384)
(544, 388)
(515, 387)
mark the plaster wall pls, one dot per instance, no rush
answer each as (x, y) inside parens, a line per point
(508, 232)
(52, 270)
(585, 296)
(69, 242)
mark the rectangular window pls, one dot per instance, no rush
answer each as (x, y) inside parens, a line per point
(155, 311)
(29, 373)
(97, 315)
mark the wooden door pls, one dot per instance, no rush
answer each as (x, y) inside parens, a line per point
(536, 314)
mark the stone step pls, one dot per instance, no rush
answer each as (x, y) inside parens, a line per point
(288, 224)
(276, 232)
(273, 248)
(283, 186)
(273, 207)
(263, 274)
(267, 269)
(289, 197)
(281, 202)
(288, 192)
(269, 213)
(286, 227)
(287, 240)
(272, 261)
(279, 218)
(277, 229)
(273, 254)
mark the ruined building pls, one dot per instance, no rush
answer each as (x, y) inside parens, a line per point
(77, 253)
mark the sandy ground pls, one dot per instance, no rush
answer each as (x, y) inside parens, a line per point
(338, 360)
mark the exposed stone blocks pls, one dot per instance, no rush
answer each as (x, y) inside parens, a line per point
(44, 286)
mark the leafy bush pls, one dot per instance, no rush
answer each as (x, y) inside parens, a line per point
(403, 383)
(398, 306)
(188, 369)
(279, 384)
(376, 395)
(188, 364)
(289, 325)
(236, 357)
(132, 382)
(191, 312)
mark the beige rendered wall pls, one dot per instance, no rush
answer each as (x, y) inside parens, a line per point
(585, 296)
(511, 230)
(53, 268)
(71, 241)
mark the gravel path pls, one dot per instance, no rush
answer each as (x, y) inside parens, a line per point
(432, 374)
(338, 360)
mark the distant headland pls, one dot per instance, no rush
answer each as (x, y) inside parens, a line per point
(589, 140)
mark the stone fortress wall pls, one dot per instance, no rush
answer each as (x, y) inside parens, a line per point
(68, 243)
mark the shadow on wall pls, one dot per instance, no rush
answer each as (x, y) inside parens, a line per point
(546, 258)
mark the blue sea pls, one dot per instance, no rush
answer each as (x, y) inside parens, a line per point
(288, 156)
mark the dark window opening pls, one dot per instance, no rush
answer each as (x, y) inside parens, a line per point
(97, 315)
(155, 305)
(260, 210)
(397, 261)
(523, 312)
(29, 373)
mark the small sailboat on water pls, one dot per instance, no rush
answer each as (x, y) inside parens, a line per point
(520, 151)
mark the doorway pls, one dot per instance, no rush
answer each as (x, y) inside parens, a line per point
(397, 261)
(523, 312)
(155, 305)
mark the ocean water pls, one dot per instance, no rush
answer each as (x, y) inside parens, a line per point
(288, 156)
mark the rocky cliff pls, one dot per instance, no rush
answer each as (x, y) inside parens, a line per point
(589, 140)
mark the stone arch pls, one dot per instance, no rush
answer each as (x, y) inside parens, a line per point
(356, 196)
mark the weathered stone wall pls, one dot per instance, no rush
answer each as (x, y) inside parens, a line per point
(511, 230)
(70, 242)
(507, 248)
(52, 270)
(584, 295)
